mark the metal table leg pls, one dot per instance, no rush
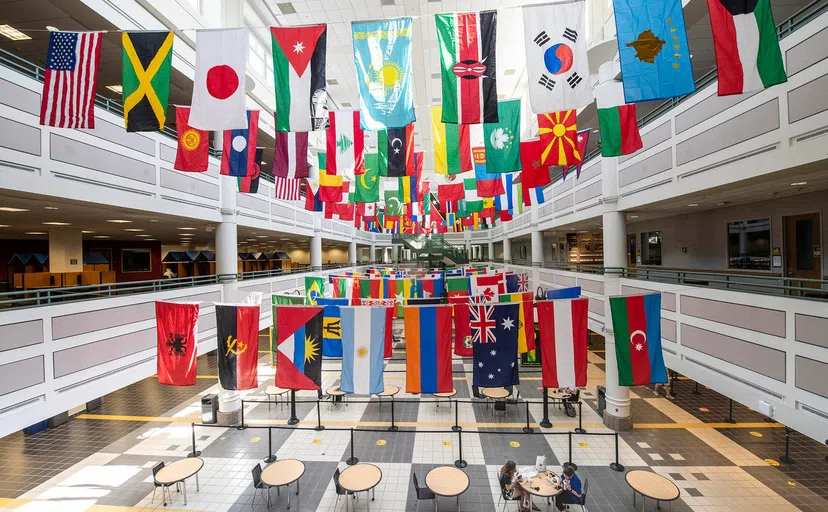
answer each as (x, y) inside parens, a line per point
(184, 483)
(197, 487)
(458, 503)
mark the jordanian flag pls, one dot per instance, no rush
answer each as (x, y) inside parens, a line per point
(636, 320)
(747, 47)
(467, 54)
(299, 77)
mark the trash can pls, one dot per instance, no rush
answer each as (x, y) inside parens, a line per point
(209, 409)
(602, 400)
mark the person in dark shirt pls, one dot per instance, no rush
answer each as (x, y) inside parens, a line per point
(511, 487)
(571, 493)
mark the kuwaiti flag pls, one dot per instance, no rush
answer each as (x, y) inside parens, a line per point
(363, 342)
(299, 77)
(299, 347)
(291, 155)
(489, 286)
(563, 341)
(556, 56)
(345, 148)
(748, 57)
(239, 151)
(219, 83)
(636, 321)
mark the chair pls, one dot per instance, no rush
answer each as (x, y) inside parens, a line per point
(422, 493)
(155, 470)
(505, 499)
(584, 495)
(340, 491)
(569, 406)
(258, 485)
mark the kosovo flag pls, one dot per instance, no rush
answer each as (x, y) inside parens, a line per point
(145, 79)
(494, 332)
(238, 346)
(299, 347)
(332, 325)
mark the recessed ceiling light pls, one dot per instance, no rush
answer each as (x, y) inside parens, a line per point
(101, 236)
(4, 226)
(188, 229)
(12, 209)
(56, 223)
(286, 8)
(12, 33)
(119, 221)
(261, 236)
(149, 239)
(50, 207)
(35, 233)
(332, 81)
(693, 204)
(509, 72)
(722, 203)
(633, 216)
(87, 232)
(118, 89)
(52, 28)
(346, 104)
(144, 236)
(134, 230)
(153, 220)
(799, 183)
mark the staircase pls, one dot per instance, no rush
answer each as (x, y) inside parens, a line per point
(426, 246)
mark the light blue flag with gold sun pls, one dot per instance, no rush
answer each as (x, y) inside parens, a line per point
(382, 55)
(652, 44)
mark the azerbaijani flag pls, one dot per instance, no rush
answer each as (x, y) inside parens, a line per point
(636, 320)
(526, 324)
(563, 339)
(428, 349)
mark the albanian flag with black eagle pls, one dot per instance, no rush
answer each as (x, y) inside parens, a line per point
(238, 345)
(177, 325)
(145, 75)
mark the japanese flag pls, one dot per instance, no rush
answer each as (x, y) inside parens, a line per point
(219, 84)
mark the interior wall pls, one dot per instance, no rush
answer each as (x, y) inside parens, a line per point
(112, 250)
(301, 256)
(334, 255)
(522, 251)
(65, 250)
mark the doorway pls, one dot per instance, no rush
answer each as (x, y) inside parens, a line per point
(631, 251)
(803, 248)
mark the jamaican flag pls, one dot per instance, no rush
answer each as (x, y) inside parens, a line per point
(147, 58)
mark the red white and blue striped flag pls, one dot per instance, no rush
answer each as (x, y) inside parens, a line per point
(70, 79)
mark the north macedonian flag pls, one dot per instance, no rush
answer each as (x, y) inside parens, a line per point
(558, 135)
(636, 320)
(145, 78)
(177, 325)
(238, 345)
(299, 347)
(192, 154)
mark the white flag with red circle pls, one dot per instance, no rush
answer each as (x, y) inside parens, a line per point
(219, 84)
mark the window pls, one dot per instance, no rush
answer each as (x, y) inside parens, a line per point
(136, 260)
(651, 248)
(749, 244)
(256, 57)
(195, 4)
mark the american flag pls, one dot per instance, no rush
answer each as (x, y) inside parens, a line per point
(71, 76)
(287, 188)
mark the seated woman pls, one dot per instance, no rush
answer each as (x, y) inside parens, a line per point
(511, 488)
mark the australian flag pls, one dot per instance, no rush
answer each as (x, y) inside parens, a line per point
(494, 331)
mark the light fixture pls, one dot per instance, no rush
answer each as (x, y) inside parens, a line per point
(118, 89)
(693, 204)
(134, 230)
(633, 216)
(799, 183)
(35, 233)
(119, 221)
(12, 209)
(150, 240)
(153, 220)
(144, 236)
(722, 203)
(101, 236)
(52, 28)
(188, 229)
(261, 236)
(55, 223)
(50, 207)
(87, 232)
(4, 226)
(12, 33)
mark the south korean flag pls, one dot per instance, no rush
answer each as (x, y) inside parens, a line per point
(556, 57)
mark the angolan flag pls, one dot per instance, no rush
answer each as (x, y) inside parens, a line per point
(237, 328)
(299, 77)
(747, 48)
(467, 53)
(636, 320)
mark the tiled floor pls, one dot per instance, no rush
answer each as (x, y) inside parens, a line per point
(95, 461)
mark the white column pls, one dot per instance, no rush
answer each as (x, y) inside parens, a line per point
(491, 251)
(507, 251)
(352, 254)
(467, 244)
(316, 251)
(372, 255)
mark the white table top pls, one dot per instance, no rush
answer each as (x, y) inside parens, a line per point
(496, 393)
(334, 391)
(273, 390)
(283, 472)
(652, 485)
(559, 395)
(447, 481)
(539, 485)
(446, 395)
(179, 470)
(360, 477)
(390, 390)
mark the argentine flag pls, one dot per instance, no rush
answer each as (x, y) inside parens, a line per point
(363, 339)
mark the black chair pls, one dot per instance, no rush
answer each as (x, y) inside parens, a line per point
(503, 497)
(422, 493)
(258, 485)
(584, 495)
(340, 491)
(569, 403)
(155, 470)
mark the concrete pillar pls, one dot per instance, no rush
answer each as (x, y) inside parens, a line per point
(507, 251)
(316, 251)
(467, 244)
(490, 255)
(352, 254)
(372, 254)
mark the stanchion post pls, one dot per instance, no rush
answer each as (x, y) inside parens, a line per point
(696, 389)
(293, 419)
(729, 418)
(580, 429)
(319, 425)
(527, 429)
(545, 423)
(194, 453)
(456, 427)
(569, 460)
(787, 457)
(352, 460)
(241, 426)
(393, 427)
(271, 457)
(460, 463)
(616, 466)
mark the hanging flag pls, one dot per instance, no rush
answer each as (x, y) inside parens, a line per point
(452, 146)
(526, 317)
(368, 183)
(176, 326)
(299, 77)
(428, 349)
(535, 173)
(467, 53)
(451, 192)
(564, 293)
(145, 79)
(652, 46)
(250, 184)
(409, 186)
(523, 282)
(748, 57)
(363, 347)
(237, 328)
(488, 286)
(636, 321)
(563, 341)
(511, 284)
(332, 325)
(290, 159)
(583, 140)
(462, 325)
(617, 121)
(345, 144)
(382, 56)
(486, 183)
(330, 187)
(288, 189)
(370, 288)
(502, 139)
(314, 289)
(219, 84)
(558, 133)
(299, 347)
(70, 80)
(556, 56)
(239, 148)
(532, 195)
(457, 286)
(396, 151)
(430, 287)
(193, 152)
(343, 287)
(494, 333)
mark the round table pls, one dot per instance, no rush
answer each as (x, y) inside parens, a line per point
(652, 485)
(445, 394)
(334, 392)
(495, 393)
(539, 486)
(179, 471)
(390, 390)
(557, 394)
(283, 472)
(447, 481)
(272, 391)
(360, 478)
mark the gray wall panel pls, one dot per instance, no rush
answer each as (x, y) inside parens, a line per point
(591, 171)
(167, 153)
(79, 358)
(808, 99)
(206, 322)
(668, 329)
(264, 288)
(281, 211)
(564, 202)
(252, 202)
(755, 122)
(650, 139)
(668, 301)
(811, 329)
(95, 320)
(596, 306)
(21, 334)
(566, 281)
(810, 376)
(768, 321)
(304, 217)
(284, 285)
(562, 187)
(19, 97)
(658, 163)
(117, 134)
(213, 170)
(591, 286)
(706, 109)
(758, 358)
(19, 136)
(201, 297)
(806, 53)
(184, 182)
(589, 192)
(84, 155)
(546, 277)
(21, 375)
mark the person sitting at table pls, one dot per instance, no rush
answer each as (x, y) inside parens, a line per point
(571, 493)
(574, 396)
(511, 488)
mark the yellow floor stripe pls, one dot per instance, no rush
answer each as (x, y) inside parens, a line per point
(15, 503)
